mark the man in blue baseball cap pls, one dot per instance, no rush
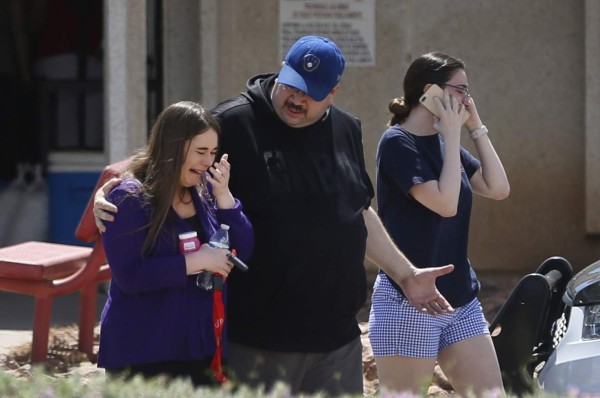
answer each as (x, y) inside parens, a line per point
(308, 79)
(314, 65)
(298, 168)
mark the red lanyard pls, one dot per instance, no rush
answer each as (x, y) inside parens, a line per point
(218, 323)
(188, 245)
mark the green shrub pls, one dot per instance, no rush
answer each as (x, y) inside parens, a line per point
(41, 385)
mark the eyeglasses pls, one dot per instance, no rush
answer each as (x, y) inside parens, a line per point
(294, 90)
(463, 90)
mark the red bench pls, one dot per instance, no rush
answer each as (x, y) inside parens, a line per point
(48, 270)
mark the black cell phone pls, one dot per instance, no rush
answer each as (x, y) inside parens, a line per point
(237, 262)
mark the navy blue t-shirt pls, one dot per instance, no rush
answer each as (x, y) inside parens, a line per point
(425, 237)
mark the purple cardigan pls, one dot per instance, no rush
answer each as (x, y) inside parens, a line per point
(154, 311)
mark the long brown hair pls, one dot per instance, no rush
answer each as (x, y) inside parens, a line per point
(431, 68)
(158, 166)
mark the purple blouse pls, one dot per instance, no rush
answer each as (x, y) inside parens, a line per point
(155, 312)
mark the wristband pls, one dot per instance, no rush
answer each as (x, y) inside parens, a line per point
(478, 132)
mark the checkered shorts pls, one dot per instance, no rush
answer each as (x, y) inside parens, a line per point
(397, 328)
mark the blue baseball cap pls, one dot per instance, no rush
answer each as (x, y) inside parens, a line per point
(314, 65)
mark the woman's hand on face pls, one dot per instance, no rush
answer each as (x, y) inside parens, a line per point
(219, 176)
(219, 180)
(209, 259)
(474, 120)
(451, 112)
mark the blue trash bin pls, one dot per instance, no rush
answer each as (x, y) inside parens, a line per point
(68, 194)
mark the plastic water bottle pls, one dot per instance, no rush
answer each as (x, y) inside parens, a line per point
(220, 240)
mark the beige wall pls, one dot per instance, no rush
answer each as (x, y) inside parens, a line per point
(526, 68)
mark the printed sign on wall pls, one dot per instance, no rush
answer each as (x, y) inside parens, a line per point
(350, 24)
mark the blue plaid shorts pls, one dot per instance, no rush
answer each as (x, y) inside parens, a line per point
(397, 328)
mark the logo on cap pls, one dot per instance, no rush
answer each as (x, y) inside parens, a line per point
(311, 62)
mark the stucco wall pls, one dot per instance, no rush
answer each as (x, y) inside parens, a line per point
(525, 62)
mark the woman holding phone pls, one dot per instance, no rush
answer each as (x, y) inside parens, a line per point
(425, 180)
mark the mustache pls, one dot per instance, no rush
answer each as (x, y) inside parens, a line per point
(294, 107)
